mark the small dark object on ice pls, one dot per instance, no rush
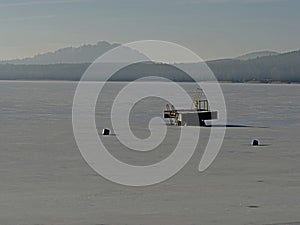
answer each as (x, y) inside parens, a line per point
(105, 131)
(255, 142)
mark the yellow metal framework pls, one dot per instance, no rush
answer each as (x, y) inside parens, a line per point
(200, 102)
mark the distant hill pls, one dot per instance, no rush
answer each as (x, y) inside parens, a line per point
(254, 55)
(82, 54)
(70, 64)
(283, 68)
(73, 72)
(88, 53)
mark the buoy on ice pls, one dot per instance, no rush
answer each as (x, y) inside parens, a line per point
(255, 142)
(105, 131)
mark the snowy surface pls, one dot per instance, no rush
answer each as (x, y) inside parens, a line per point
(44, 179)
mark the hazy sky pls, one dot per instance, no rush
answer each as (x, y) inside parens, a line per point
(211, 28)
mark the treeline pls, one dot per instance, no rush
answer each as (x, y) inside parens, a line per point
(74, 72)
(71, 72)
(281, 68)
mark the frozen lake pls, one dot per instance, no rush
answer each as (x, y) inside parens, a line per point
(45, 180)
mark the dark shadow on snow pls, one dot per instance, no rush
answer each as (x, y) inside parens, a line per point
(234, 125)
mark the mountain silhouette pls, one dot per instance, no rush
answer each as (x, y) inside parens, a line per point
(254, 55)
(71, 55)
(71, 63)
